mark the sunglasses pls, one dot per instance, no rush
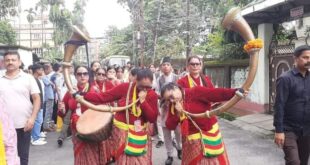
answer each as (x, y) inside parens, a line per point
(144, 87)
(101, 74)
(194, 64)
(82, 73)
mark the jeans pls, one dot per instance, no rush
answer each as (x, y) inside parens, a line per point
(36, 130)
(48, 105)
(23, 145)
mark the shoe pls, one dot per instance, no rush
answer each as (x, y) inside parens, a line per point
(43, 135)
(38, 142)
(169, 160)
(60, 142)
(179, 154)
(159, 144)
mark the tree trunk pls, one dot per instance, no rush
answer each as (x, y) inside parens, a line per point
(188, 47)
(42, 31)
(156, 31)
(141, 31)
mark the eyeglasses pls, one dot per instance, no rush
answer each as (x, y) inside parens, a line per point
(195, 64)
(82, 73)
(101, 74)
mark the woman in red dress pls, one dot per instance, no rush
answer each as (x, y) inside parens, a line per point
(84, 153)
(111, 75)
(196, 132)
(101, 85)
(195, 77)
(131, 142)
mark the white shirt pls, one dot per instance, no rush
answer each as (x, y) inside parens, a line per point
(15, 94)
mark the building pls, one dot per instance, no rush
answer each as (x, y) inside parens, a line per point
(34, 35)
(275, 58)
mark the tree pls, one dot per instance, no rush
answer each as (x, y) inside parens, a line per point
(78, 12)
(30, 19)
(7, 7)
(7, 33)
(42, 6)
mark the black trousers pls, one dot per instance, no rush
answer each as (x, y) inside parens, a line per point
(296, 149)
(23, 145)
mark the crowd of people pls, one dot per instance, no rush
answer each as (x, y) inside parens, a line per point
(32, 102)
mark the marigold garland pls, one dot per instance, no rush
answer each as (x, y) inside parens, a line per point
(253, 44)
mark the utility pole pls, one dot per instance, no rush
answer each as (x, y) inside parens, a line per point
(188, 47)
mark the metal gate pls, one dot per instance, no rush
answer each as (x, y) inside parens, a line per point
(281, 60)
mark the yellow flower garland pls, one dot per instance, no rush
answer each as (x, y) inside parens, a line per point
(253, 44)
(2, 147)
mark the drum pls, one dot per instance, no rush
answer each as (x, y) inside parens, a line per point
(94, 126)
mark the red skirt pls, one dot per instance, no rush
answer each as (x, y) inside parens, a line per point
(119, 140)
(86, 153)
(192, 154)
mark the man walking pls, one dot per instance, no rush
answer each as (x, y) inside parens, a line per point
(16, 88)
(167, 77)
(292, 110)
(38, 73)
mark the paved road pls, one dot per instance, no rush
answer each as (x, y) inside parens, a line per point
(243, 148)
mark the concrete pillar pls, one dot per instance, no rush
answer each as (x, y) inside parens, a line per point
(260, 89)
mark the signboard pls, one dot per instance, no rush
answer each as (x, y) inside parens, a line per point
(297, 12)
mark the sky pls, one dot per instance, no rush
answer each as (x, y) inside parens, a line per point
(100, 14)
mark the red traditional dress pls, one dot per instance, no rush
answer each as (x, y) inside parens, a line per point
(193, 143)
(105, 147)
(84, 153)
(131, 144)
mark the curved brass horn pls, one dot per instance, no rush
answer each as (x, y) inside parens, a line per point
(103, 108)
(78, 38)
(234, 21)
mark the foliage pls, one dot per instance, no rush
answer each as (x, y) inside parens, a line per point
(78, 12)
(119, 42)
(7, 34)
(165, 24)
(280, 34)
(8, 7)
(51, 54)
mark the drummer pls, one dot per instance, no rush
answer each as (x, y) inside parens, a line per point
(84, 153)
(132, 145)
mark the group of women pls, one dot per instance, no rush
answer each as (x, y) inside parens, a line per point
(201, 139)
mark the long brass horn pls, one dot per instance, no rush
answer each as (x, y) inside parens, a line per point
(234, 21)
(78, 38)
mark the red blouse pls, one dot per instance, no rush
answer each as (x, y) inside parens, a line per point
(98, 86)
(71, 104)
(119, 94)
(197, 100)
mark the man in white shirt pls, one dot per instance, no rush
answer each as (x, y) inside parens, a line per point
(16, 88)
